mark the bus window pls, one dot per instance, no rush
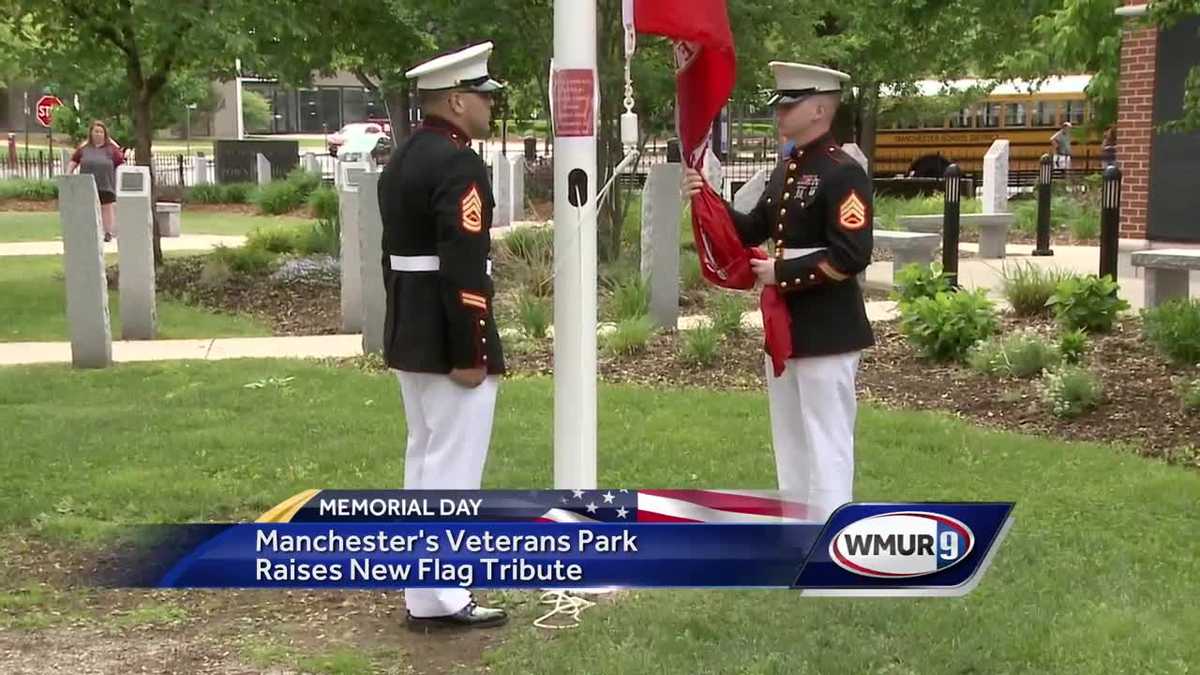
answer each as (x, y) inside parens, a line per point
(963, 119)
(1046, 114)
(1014, 115)
(991, 115)
(1075, 112)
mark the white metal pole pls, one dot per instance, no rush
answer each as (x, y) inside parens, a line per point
(575, 263)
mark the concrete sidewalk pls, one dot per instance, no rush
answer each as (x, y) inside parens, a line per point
(989, 273)
(187, 242)
(297, 347)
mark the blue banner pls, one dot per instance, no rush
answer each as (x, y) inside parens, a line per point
(580, 539)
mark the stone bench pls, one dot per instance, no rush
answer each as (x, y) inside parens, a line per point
(993, 229)
(167, 215)
(1167, 272)
(907, 248)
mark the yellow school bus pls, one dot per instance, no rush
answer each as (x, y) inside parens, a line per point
(1027, 114)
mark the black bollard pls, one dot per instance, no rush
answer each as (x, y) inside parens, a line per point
(1045, 179)
(530, 149)
(1110, 221)
(951, 224)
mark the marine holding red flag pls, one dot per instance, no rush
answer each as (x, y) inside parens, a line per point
(705, 75)
(817, 208)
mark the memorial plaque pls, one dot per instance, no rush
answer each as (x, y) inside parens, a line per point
(237, 161)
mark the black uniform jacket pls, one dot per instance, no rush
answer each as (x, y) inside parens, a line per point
(818, 198)
(436, 200)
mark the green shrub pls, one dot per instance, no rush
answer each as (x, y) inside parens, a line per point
(918, 281)
(946, 326)
(529, 253)
(28, 189)
(1174, 328)
(1087, 302)
(700, 345)
(273, 239)
(530, 244)
(244, 259)
(239, 193)
(215, 273)
(629, 337)
(727, 313)
(305, 181)
(534, 313)
(1086, 226)
(1072, 344)
(323, 236)
(1028, 287)
(212, 193)
(279, 197)
(324, 203)
(630, 298)
(1024, 354)
(1071, 391)
(689, 268)
(1190, 393)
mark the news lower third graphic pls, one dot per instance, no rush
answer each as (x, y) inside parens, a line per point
(537, 539)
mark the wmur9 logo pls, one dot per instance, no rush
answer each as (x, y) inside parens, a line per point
(901, 545)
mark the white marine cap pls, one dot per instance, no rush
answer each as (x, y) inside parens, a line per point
(797, 81)
(465, 69)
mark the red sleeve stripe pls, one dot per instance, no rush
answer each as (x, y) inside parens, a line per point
(473, 300)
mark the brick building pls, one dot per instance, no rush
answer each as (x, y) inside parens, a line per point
(1160, 198)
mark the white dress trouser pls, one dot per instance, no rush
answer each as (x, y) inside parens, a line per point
(813, 408)
(449, 428)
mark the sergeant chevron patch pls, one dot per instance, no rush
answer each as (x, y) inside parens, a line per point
(471, 210)
(852, 214)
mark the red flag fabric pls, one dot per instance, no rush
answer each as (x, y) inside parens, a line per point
(705, 74)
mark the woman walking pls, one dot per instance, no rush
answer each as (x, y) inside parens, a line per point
(100, 156)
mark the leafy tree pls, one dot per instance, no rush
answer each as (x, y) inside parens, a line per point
(256, 110)
(151, 43)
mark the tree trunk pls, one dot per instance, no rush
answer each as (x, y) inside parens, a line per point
(143, 126)
(609, 46)
(398, 105)
(869, 124)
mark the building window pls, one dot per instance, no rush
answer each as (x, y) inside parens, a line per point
(991, 115)
(1014, 115)
(963, 119)
(1046, 114)
(1074, 113)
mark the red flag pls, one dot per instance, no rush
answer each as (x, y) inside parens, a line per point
(705, 73)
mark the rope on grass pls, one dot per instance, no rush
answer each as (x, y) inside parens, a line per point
(565, 605)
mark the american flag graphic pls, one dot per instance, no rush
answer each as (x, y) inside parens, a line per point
(673, 506)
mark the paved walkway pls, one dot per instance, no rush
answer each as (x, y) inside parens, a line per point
(974, 273)
(299, 347)
(187, 242)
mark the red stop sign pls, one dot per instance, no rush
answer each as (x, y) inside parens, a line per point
(45, 108)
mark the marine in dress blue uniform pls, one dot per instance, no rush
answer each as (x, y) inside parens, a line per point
(440, 335)
(817, 211)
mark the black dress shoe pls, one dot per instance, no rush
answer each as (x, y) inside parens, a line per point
(471, 616)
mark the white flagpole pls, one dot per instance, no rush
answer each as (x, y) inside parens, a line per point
(575, 263)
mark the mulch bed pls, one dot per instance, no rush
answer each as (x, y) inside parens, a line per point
(291, 309)
(1141, 406)
(26, 205)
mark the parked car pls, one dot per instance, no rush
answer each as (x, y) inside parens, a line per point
(355, 130)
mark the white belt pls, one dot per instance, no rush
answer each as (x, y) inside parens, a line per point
(791, 253)
(421, 263)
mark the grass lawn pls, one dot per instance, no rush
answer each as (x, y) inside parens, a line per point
(44, 225)
(1097, 576)
(33, 307)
